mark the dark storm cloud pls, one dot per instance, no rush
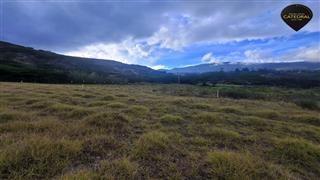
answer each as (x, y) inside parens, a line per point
(68, 25)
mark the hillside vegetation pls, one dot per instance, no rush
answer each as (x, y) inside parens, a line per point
(19, 63)
(24, 64)
(155, 131)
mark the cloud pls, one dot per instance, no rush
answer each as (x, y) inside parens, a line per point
(157, 67)
(100, 51)
(166, 39)
(208, 58)
(311, 54)
(127, 51)
(62, 26)
(72, 24)
(258, 56)
(138, 32)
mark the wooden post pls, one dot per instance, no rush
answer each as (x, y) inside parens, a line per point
(217, 93)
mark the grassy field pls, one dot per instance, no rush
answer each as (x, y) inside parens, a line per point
(158, 132)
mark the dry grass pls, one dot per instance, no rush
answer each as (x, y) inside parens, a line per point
(171, 119)
(142, 132)
(232, 165)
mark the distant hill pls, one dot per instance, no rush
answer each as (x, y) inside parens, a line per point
(19, 63)
(227, 67)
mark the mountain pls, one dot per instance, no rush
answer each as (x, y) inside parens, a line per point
(227, 67)
(19, 63)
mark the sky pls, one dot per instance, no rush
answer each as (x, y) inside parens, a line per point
(162, 34)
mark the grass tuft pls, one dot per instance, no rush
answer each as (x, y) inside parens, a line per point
(80, 175)
(308, 119)
(201, 106)
(231, 109)
(14, 115)
(108, 98)
(308, 104)
(37, 157)
(117, 105)
(207, 117)
(98, 146)
(232, 165)
(118, 169)
(47, 125)
(152, 143)
(268, 114)
(171, 119)
(67, 110)
(223, 137)
(138, 111)
(222, 134)
(114, 122)
(298, 154)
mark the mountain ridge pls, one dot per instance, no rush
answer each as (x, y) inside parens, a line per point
(227, 67)
(20, 62)
(25, 64)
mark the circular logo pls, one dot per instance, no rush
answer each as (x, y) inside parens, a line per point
(296, 16)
